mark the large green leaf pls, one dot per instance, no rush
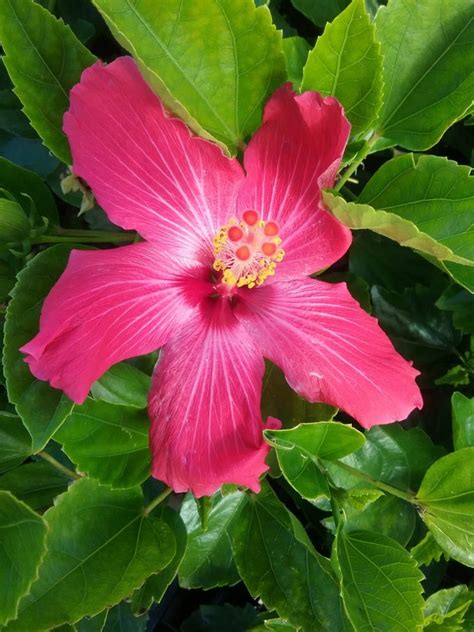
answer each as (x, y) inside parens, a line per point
(445, 610)
(42, 408)
(216, 75)
(44, 60)
(463, 421)
(208, 561)
(123, 384)
(432, 192)
(278, 564)
(446, 501)
(298, 450)
(22, 547)
(21, 182)
(346, 63)
(101, 546)
(36, 484)
(15, 442)
(428, 49)
(155, 586)
(108, 442)
(381, 584)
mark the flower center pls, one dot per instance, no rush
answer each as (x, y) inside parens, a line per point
(247, 252)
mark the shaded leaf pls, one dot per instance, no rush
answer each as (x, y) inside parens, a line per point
(296, 51)
(446, 501)
(44, 60)
(346, 63)
(155, 586)
(23, 545)
(36, 484)
(42, 408)
(381, 584)
(103, 556)
(22, 182)
(108, 442)
(217, 75)
(123, 384)
(427, 49)
(208, 561)
(15, 442)
(463, 421)
(216, 618)
(461, 304)
(278, 564)
(321, 11)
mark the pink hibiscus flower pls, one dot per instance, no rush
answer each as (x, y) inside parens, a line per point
(220, 282)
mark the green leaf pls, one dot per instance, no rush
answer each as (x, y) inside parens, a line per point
(463, 275)
(321, 11)
(208, 561)
(432, 192)
(15, 442)
(461, 304)
(36, 484)
(427, 48)
(108, 442)
(346, 63)
(217, 75)
(463, 421)
(418, 329)
(360, 499)
(44, 60)
(426, 207)
(120, 618)
(23, 182)
(155, 586)
(102, 557)
(387, 515)
(427, 550)
(42, 408)
(123, 384)
(299, 448)
(278, 564)
(14, 224)
(23, 536)
(381, 584)
(390, 454)
(296, 51)
(446, 500)
(445, 610)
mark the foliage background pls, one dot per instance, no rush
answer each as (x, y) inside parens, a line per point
(403, 524)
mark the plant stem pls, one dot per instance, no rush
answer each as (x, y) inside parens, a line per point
(156, 501)
(358, 159)
(59, 466)
(394, 491)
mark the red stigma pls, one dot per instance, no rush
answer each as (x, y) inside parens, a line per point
(250, 217)
(235, 233)
(271, 229)
(243, 253)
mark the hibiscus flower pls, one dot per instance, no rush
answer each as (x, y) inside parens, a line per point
(220, 281)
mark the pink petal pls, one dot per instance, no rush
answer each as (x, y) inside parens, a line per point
(205, 407)
(107, 306)
(331, 350)
(145, 168)
(294, 154)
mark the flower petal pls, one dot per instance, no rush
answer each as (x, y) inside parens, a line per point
(205, 407)
(331, 350)
(107, 306)
(144, 167)
(294, 154)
